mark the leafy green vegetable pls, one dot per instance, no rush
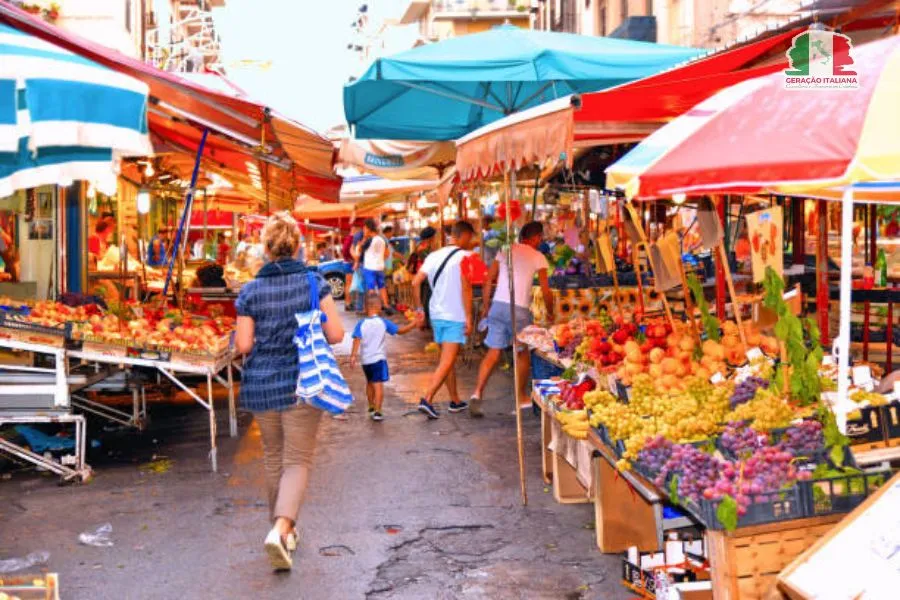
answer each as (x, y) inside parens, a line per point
(727, 513)
(673, 491)
(569, 374)
(709, 322)
(801, 342)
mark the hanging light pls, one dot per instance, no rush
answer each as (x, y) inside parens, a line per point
(143, 201)
(679, 198)
(148, 170)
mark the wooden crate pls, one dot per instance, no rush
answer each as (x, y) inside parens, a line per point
(546, 436)
(622, 517)
(567, 488)
(745, 563)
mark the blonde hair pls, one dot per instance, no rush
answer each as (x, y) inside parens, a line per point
(281, 236)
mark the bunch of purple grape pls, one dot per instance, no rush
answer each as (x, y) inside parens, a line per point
(754, 479)
(655, 453)
(803, 439)
(740, 440)
(745, 390)
(696, 471)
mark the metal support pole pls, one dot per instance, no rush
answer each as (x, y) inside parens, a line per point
(185, 217)
(510, 192)
(720, 266)
(822, 292)
(843, 344)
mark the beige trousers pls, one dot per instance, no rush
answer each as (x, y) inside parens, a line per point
(289, 442)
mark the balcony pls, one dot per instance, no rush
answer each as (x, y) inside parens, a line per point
(474, 9)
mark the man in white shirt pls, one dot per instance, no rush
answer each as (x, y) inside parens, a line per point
(375, 251)
(527, 262)
(450, 310)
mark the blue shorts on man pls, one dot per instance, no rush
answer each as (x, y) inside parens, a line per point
(374, 280)
(448, 332)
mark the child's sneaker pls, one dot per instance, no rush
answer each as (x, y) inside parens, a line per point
(377, 416)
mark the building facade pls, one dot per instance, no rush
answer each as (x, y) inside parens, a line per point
(698, 23)
(440, 19)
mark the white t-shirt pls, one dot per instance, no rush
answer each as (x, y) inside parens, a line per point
(373, 259)
(526, 262)
(372, 332)
(446, 297)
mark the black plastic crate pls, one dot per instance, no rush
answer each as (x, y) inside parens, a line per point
(891, 416)
(835, 495)
(869, 428)
(783, 505)
(542, 368)
(603, 434)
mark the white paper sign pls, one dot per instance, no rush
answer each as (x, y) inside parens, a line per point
(716, 378)
(862, 377)
(754, 354)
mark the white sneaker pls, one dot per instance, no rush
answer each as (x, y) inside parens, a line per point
(279, 555)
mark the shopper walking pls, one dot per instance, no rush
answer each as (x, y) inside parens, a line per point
(266, 326)
(527, 262)
(450, 311)
(375, 252)
(369, 337)
(347, 244)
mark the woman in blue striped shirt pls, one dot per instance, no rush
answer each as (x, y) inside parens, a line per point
(265, 331)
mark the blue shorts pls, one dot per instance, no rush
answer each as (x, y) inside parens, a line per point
(499, 325)
(374, 280)
(377, 372)
(448, 332)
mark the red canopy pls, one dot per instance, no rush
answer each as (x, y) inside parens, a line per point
(627, 111)
(241, 125)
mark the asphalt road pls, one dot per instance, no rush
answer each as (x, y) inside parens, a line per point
(404, 509)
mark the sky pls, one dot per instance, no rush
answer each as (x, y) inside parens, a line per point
(306, 40)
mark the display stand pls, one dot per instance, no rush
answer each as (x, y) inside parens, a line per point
(211, 370)
(33, 395)
(745, 563)
(623, 517)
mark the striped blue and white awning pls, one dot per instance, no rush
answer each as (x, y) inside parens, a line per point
(63, 117)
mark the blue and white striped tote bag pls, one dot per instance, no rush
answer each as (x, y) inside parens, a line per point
(319, 383)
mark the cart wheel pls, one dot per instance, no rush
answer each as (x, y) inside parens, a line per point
(337, 286)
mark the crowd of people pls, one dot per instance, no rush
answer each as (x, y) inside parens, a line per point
(285, 290)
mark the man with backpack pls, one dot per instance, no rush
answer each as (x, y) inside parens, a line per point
(450, 312)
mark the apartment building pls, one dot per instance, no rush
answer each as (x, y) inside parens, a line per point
(699, 23)
(175, 35)
(440, 19)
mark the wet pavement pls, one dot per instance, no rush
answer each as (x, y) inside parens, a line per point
(404, 509)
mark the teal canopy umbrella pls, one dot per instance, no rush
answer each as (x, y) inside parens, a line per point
(445, 90)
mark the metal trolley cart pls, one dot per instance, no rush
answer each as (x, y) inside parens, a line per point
(36, 395)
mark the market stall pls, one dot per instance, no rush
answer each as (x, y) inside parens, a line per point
(748, 429)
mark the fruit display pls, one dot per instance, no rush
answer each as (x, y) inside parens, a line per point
(574, 423)
(591, 303)
(571, 396)
(691, 414)
(165, 330)
(864, 398)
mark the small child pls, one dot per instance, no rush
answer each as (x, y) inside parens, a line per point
(368, 348)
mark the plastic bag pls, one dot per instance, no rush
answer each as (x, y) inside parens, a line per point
(356, 283)
(11, 565)
(99, 538)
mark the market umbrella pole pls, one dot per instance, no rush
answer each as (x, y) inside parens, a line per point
(520, 444)
(185, 217)
(843, 344)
